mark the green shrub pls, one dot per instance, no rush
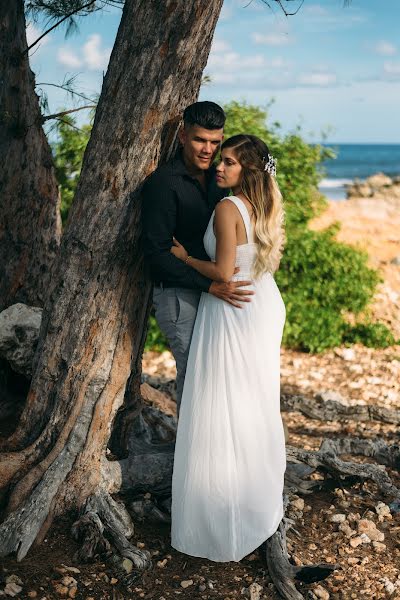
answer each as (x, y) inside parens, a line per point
(315, 329)
(321, 280)
(155, 339)
(374, 335)
(316, 269)
(247, 118)
(68, 153)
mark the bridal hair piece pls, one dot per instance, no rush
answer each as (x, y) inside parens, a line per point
(270, 165)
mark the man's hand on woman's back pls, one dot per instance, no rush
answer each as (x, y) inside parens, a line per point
(231, 292)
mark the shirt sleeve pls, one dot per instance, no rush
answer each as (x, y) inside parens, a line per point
(158, 227)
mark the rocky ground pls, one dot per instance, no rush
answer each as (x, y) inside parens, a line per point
(349, 528)
(352, 527)
(348, 524)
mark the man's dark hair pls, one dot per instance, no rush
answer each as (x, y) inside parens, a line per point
(205, 114)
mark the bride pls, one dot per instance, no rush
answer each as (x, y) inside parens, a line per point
(230, 458)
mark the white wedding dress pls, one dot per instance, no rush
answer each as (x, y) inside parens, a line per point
(230, 458)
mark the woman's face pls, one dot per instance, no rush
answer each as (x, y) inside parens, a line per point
(229, 170)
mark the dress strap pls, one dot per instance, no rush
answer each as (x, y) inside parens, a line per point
(245, 215)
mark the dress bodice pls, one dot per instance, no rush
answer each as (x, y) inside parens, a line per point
(245, 253)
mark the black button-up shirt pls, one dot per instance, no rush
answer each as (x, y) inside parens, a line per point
(175, 204)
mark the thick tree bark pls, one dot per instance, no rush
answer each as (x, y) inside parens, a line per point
(93, 320)
(30, 222)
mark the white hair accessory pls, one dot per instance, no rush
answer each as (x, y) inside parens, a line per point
(270, 165)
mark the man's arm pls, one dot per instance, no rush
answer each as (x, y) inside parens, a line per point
(159, 222)
(223, 268)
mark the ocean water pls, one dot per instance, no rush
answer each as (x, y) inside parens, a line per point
(357, 161)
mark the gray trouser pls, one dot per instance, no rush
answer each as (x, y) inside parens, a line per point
(175, 310)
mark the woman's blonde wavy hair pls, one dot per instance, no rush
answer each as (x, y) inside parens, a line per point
(262, 191)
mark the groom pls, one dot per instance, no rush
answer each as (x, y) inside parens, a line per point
(178, 199)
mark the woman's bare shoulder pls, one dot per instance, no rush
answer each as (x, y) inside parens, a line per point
(226, 208)
(226, 213)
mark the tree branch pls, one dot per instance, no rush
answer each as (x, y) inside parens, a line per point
(289, 14)
(62, 87)
(67, 123)
(280, 2)
(67, 112)
(74, 12)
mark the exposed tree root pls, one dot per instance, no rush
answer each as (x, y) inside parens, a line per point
(149, 464)
(151, 429)
(148, 467)
(106, 525)
(104, 519)
(88, 532)
(333, 410)
(329, 461)
(295, 481)
(317, 407)
(147, 472)
(146, 508)
(21, 527)
(378, 449)
(282, 572)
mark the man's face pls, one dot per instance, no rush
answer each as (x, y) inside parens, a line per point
(200, 145)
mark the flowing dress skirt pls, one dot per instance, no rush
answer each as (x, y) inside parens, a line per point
(230, 458)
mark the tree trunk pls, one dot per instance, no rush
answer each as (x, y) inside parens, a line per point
(96, 310)
(30, 222)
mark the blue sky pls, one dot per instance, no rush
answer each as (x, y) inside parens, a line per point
(329, 67)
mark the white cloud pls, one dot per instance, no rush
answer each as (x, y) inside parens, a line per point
(94, 57)
(224, 78)
(392, 68)
(252, 80)
(220, 46)
(272, 39)
(317, 79)
(68, 58)
(279, 63)
(234, 70)
(316, 13)
(268, 79)
(90, 56)
(385, 48)
(316, 10)
(232, 61)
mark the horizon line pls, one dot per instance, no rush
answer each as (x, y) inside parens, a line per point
(357, 143)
